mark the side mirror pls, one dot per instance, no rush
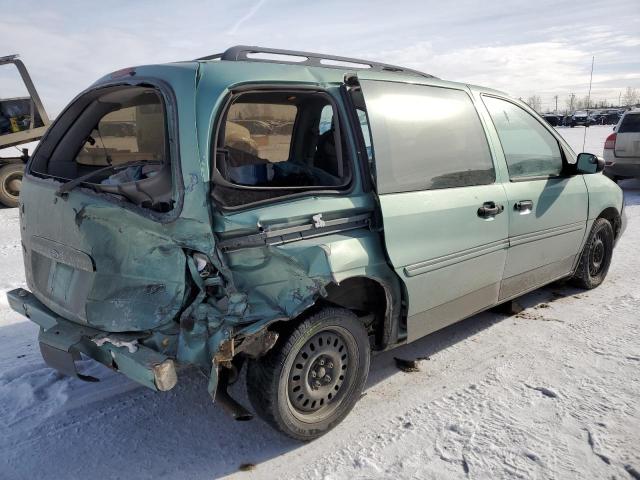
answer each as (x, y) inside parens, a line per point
(589, 163)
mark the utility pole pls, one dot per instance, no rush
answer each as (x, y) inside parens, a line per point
(556, 97)
(573, 95)
(619, 98)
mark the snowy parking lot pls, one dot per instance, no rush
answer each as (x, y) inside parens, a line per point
(552, 392)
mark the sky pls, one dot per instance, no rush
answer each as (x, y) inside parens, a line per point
(522, 47)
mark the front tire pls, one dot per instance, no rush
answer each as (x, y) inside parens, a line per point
(311, 380)
(595, 258)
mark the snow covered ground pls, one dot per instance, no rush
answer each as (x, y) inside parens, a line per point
(552, 392)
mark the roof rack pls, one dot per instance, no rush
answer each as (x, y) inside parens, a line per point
(242, 52)
(8, 59)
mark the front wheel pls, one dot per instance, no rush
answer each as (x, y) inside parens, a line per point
(596, 255)
(311, 379)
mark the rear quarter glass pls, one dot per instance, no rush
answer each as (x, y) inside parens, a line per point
(630, 123)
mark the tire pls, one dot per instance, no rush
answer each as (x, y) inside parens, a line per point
(312, 378)
(10, 183)
(595, 258)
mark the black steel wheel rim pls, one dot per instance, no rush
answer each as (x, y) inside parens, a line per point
(598, 254)
(321, 374)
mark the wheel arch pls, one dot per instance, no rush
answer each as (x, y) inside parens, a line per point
(612, 215)
(373, 299)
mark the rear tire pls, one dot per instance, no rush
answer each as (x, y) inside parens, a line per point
(10, 184)
(595, 258)
(311, 380)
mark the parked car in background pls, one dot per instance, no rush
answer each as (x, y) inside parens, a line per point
(200, 234)
(553, 119)
(580, 118)
(622, 147)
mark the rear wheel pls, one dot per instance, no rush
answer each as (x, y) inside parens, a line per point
(596, 255)
(10, 184)
(312, 379)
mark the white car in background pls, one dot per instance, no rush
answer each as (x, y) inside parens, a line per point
(622, 148)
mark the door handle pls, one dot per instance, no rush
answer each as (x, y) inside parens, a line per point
(524, 206)
(490, 209)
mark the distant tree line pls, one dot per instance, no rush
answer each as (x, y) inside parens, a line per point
(629, 98)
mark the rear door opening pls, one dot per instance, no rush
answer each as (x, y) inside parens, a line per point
(100, 253)
(117, 145)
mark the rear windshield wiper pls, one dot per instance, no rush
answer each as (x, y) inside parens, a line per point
(66, 187)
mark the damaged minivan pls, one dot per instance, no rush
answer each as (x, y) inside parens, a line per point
(289, 213)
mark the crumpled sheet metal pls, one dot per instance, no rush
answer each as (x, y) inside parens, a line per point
(280, 283)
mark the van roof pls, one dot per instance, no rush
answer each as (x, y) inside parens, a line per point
(301, 66)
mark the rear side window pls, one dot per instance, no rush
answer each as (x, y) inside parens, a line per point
(261, 129)
(630, 123)
(529, 148)
(273, 144)
(426, 138)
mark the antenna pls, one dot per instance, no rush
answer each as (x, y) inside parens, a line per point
(584, 138)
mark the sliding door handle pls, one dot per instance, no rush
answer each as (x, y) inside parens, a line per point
(490, 209)
(524, 206)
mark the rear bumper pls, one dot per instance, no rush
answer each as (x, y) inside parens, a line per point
(621, 166)
(62, 341)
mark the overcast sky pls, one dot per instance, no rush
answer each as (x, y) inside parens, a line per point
(523, 47)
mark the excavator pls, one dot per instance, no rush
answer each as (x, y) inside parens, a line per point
(22, 120)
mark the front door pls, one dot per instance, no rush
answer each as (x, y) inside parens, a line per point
(547, 210)
(444, 226)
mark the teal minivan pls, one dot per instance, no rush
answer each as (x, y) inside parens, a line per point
(289, 213)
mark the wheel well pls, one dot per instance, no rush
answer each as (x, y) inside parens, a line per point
(612, 215)
(366, 297)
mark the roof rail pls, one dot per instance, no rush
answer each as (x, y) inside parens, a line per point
(242, 52)
(8, 59)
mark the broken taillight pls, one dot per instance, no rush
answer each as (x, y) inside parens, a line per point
(610, 142)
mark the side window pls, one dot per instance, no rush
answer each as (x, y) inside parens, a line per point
(278, 143)
(261, 129)
(530, 150)
(426, 138)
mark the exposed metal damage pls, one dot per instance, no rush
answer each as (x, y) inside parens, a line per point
(204, 316)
